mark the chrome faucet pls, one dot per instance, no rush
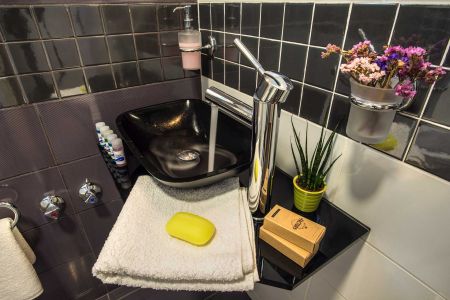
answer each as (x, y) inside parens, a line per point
(273, 89)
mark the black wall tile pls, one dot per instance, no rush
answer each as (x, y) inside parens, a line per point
(217, 16)
(31, 188)
(94, 168)
(250, 18)
(5, 65)
(438, 106)
(9, 87)
(247, 81)
(17, 24)
(218, 70)
(252, 45)
(117, 19)
(169, 20)
(231, 51)
(121, 48)
(86, 20)
(126, 74)
(339, 114)
(144, 18)
(293, 101)
(99, 221)
(232, 75)
(297, 22)
(38, 87)
(315, 104)
(93, 50)
(169, 44)
(62, 53)
(150, 70)
(376, 20)
(147, 45)
(70, 82)
(26, 149)
(233, 17)
(53, 21)
(29, 57)
(99, 78)
(329, 24)
(430, 28)
(205, 15)
(206, 66)
(73, 280)
(57, 243)
(269, 54)
(293, 61)
(321, 72)
(398, 138)
(172, 68)
(271, 20)
(220, 39)
(428, 154)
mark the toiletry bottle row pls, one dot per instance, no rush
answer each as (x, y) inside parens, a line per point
(110, 143)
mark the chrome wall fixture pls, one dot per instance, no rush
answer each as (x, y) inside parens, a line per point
(90, 192)
(52, 206)
(15, 211)
(211, 46)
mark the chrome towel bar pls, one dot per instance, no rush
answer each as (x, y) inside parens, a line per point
(14, 210)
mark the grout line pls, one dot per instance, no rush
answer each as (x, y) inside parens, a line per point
(282, 37)
(327, 120)
(33, 16)
(78, 50)
(138, 68)
(224, 42)
(306, 57)
(102, 19)
(393, 24)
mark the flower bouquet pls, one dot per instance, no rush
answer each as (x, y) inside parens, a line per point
(381, 84)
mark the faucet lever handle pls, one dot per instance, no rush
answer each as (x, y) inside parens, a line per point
(244, 50)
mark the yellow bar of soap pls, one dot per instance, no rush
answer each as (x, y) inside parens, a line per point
(190, 228)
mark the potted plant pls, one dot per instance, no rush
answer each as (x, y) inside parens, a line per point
(310, 182)
(380, 84)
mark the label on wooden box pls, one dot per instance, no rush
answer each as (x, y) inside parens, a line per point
(294, 228)
(299, 255)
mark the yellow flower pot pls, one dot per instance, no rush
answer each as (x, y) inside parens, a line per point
(304, 200)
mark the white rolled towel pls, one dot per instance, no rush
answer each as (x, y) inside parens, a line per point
(18, 279)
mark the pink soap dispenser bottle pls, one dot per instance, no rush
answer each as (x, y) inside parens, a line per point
(189, 39)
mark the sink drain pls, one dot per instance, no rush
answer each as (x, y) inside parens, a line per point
(188, 155)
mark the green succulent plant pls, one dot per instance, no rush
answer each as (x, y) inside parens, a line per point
(313, 170)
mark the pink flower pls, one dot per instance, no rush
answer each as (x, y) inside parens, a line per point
(414, 51)
(331, 48)
(433, 75)
(405, 89)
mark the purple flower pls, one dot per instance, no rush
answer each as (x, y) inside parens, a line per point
(405, 89)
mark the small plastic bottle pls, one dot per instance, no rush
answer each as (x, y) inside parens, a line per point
(108, 142)
(119, 153)
(102, 138)
(99, 125)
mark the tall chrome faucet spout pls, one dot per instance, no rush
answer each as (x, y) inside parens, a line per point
(272, 90)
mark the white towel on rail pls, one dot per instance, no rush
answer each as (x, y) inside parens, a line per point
(18, 279)
(139, 252)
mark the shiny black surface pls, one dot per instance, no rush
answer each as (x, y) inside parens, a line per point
(342, 231)
(157, 134)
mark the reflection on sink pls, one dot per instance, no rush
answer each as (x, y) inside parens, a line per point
(179, 145)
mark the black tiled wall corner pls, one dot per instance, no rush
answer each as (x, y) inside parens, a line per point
(50, 52)
(289, 38)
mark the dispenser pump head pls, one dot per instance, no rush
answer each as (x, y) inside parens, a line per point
(187, 15)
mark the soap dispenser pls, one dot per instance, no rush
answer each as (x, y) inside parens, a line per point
(189, 41)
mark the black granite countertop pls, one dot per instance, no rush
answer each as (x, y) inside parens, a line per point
(342, 230)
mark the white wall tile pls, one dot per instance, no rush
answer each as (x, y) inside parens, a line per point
(320, 289)
(406, 208)
(266, 292)
(363, 273)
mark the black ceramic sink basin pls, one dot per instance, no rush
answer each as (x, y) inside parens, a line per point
(177, 144)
